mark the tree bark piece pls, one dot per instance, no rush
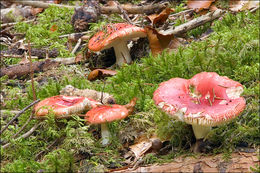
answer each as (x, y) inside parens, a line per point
(193, 23)
(147, 9)
(239, 162)
(24, 69)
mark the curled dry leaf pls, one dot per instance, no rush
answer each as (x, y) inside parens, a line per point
(240, 5)
(199, 5)
(54, 28)
(160, 18)
(24, 60)
(98, 73)
(111, 4)
(158, 42)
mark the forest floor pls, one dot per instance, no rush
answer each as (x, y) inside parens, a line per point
(40, 56)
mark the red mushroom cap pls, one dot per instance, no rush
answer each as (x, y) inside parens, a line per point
(206, 99)
(63, 105)
(113, 35)
(105, 113)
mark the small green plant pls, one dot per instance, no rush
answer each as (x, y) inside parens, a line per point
(41, 34)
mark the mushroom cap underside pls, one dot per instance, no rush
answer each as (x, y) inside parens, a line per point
(206, 99)
(113, 35)
(106, 113)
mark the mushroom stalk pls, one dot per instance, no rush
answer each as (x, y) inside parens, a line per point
(200, 132)
(122, 54)
(105, 134)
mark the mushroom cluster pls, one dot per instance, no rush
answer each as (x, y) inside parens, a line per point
(116, 35)
(204, 101)
(62, 106)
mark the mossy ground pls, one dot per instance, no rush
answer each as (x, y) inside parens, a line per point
(232, 50)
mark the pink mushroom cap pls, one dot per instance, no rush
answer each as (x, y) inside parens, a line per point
(106, 113)
(206, 99)
(63, 105)
(113, 35)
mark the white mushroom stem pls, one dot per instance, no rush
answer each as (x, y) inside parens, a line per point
(200, 132)
(122, 54)
(105, 134)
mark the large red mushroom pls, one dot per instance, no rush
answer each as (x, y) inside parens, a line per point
(64, 105)
(107, 113)
(116, 36)
(204, 101)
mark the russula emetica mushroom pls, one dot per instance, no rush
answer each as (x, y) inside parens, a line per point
(64, 105)
(204, 101)
(116, 36)
(107, 113)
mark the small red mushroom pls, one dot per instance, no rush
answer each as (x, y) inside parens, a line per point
(108, 113)
(64, 105)
(204, 101)
(116, 36)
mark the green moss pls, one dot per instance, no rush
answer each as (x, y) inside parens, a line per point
(40, 34)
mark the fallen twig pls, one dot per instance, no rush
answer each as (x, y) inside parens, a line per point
(23, 127)
(26, 135)
(47, 149)
(21, 70)
(180, 13)
(74, 34)
(31, 71)
(19, 114)
(77, 46)
(15, 56)
(14, 23)
(105, 10)
(193, 23)
(124, 13)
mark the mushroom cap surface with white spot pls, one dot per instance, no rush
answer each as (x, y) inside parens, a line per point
(106, 113)
(63, 105)
(206, 99)
(113, 35)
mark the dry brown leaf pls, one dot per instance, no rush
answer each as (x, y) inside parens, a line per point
(79, 57)
(213, 7)
(111, 3)
(240, 5)
(160, 18)
(158, 42)
(97, 73)
(53, 28)
(24, 60)
(35, 11)
(199, 5)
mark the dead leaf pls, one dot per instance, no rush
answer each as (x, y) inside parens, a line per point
(111, 4)
(97, 73)
(35, 11)
(53, 28)
(213, 7)
(79, 58)
(24, 60)
(240, 5)
(160, 18)
(158, 42)
(199, 5)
